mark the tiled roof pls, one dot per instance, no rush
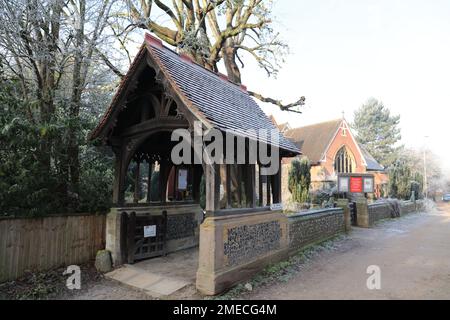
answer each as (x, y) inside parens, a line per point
(313, 140)
(222, 103)
(372, 164)
(284, 127)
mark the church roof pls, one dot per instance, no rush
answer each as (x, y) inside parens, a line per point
(313, 140)
(282, 127)
(211, 97)
(372, 164)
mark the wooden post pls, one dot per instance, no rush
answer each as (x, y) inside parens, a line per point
(149, 184)
(123, 236)
(130, 236)
(118, 196)
(163, 172)
(276, 181)
(198, 171)
(261, 192)
(164, 231)
(228, 185)
(212, 176)
(136, 182)
(175, 183)
(252, 187)
(239, 184)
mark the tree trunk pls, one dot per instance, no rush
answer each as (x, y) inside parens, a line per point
(48, 83)
(229, 58)
(77, 86)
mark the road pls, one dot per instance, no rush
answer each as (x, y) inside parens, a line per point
(412, 252)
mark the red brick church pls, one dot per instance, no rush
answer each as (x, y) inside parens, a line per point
(331, 148)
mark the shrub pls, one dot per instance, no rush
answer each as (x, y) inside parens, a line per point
(299, 180)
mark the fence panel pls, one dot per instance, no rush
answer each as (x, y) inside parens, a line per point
(38, 244)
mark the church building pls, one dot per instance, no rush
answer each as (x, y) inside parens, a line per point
(332, 149)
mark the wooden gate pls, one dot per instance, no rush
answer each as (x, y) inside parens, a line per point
(353, 213)
(145, 235)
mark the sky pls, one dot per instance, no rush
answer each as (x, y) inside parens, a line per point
(343, 52)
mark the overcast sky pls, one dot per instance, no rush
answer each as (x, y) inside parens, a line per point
(345, 51)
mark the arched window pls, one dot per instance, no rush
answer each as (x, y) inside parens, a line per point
(344, 162)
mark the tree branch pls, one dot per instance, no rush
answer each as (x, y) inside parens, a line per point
(283, 107)
(109, 63)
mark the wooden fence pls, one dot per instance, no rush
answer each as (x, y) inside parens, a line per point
(38, 244)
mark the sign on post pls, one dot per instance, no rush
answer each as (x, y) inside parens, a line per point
(355, 183)
(343, 184)
(368, 185)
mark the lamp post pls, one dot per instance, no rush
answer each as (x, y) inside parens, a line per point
(425, 181)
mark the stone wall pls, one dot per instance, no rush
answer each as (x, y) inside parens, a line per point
(407, 207)
(314, 226)
(248, 242)
(420, 205)
(379, 211)
(386, 209)
(234, 247)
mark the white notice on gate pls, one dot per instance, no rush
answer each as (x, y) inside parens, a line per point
(149, 231)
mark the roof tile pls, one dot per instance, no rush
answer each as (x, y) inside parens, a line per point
(224, 104)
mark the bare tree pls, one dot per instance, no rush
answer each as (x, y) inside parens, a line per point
(52, 47)
(215, 30)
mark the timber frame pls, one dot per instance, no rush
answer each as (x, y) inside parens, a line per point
(149, 105)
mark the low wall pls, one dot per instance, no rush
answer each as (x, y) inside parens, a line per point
(235, 247)
(39, 244)
(407, 207)
(314, 226)
(378, 211)
(391, 209)
(420, 205)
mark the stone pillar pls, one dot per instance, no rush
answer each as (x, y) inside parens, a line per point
(114, 236)
(362, 212)
(343, 203)
(234, 247)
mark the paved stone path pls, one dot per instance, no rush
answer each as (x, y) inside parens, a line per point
(157, 286)
(413, 253)
(161, 277)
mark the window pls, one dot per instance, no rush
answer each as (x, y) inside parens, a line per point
(344, 162)
(344, 130)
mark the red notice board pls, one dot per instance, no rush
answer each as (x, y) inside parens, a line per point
(356, 184)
